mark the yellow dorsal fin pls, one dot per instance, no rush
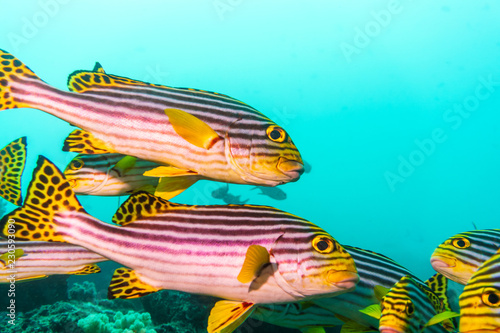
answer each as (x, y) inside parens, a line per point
(380, 291)
(168, 171)
(98, 68)
(170, 187)
(88, 269)
(126, 284)
(5, 257)
(373, 310)
(256, 257)
(192, 129)
(12, 160)
(138, 205)
(84, 81)
(226, 316)
(440, 317)
(80, 141)
(49, 194)
(124, 165)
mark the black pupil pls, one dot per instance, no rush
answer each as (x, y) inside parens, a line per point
(77, 164)
(410, 309)
(322, 245)
(461, 243)
(493, 298)
(275, 134)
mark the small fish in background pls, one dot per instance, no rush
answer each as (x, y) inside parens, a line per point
(459, 256)
(37, 260)
(480, 301)
(272, 192)
(307, 167)
(220, 192)
(230, 199)
(278, 257)
(12, 161)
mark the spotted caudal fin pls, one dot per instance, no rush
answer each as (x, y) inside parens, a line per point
(12, 160)
(49, 195)
(11, 70)
(126, 284)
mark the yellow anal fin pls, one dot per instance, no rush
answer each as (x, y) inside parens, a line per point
(226, 316)
(256, 257)
(49, 194)
(87, 269)
(145, 188)
(12, 161)
(168, 171)
(80, 141)
(192, 129)
(139, 205)
(170, 187)
(126, 284)
(32, 278)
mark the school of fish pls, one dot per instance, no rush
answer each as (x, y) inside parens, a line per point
(152, 142)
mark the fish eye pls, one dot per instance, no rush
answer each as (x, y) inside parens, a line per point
(410, 309)
(461, 243)
(323, 244)
(491, 297)
(76, 164)
(276, 133)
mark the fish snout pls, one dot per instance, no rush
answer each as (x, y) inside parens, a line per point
(291, 168)
(343, 279)
(385, 329)
(439, 262)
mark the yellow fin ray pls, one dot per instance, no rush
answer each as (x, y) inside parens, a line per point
(88, 269)
(192, 129)
(170, 187)
(373, 310)
(440, 317)
(255, 258)
(168, 171)
(12, 161)
(226, 316)
(126, 284)
(124, 165)
(4, 258)
(380, 291)
(80, 141)
(313, 330)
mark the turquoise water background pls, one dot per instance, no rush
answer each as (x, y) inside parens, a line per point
(395, 104)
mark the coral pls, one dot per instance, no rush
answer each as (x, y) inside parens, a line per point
(84, 292)
(132, 322)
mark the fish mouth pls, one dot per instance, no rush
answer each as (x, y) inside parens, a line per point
(343, 279)
(440, 262)
(386, 329)
(293, 169)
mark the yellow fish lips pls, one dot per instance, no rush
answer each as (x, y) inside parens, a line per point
(386, 329)
(342, 279)
(291, 168)
(440, 262)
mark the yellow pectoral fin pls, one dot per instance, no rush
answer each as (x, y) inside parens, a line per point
(256, 257)
(313, 330)
(441, 317)
(126, 284)
(380, 291)
(88, 269)
(4, 258)
(192, 129)
(226, 316)
(373, 310)
(80, 141)
(170, 187)
(168, 171)
(124, 165)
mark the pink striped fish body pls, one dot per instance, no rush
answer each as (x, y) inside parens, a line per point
(197, 249)
(235, 143)
(41, 259)
(97, 175)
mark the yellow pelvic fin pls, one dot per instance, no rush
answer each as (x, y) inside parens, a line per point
(88, 269)
(168, 171)
(226, 316)
(12, 160)
(313, 330)
(170, 187)
(256, 257)
(4, 258)
(48, 194)
(192, 129)
(373, 310)
(124, 165)
(380, 291)
(139, 205)
(440, 317)
(126, 284)
(80, 141)
(146, 188)
(353, 327)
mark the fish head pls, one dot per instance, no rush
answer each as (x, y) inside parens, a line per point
(263, 153)
(86, 173)
(460, 255)
(314, 264)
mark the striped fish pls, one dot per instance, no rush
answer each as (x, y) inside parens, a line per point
(21, 261)
(460, 256)
(12, 160)
(102, 174)
(245, 254)
(480, 301)
(198, 134)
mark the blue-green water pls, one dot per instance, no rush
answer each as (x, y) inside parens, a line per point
(395, 104)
